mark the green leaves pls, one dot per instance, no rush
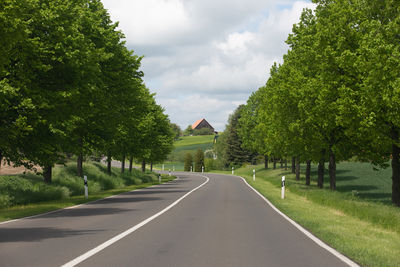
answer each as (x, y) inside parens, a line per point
(68, 84)
(337, 89)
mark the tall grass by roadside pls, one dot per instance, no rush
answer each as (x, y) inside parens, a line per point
(30, 188)
(366, 230)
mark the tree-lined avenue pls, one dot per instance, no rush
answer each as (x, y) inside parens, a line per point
(223, 223)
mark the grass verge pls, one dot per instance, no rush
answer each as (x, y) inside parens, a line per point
(27, 195)
(367, 232)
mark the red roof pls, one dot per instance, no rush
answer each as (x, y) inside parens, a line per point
(194, 125)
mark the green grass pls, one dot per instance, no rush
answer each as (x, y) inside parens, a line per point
(363, 225)
(189, 144)
(26, 195)
(178, 166)
(194, 140)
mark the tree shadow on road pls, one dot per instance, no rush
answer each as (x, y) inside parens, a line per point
(36, 234)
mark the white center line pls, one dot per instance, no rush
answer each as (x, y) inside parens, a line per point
(129, 231)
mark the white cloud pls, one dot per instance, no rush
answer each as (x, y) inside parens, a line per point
(204, 57)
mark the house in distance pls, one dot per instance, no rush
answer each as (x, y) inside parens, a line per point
(202, 123)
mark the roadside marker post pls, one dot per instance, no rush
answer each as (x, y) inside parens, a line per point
(254, 174)
(169, 172)
(86, 186)
(159, 178)
(233, 170)
(283, 187)
(202, 169)
(191, 168)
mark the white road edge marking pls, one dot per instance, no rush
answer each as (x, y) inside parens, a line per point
(86, 203)
(129, 231)
(304, 231)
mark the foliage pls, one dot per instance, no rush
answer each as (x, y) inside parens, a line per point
(26, 189)
(203, 131)
(176, 130)
(229, 145)
(69, 85)
(335, 96)
(188, 162)
(188, 130)
(199, 160)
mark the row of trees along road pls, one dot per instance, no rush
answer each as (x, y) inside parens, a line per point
(337, 93)
(69, 85)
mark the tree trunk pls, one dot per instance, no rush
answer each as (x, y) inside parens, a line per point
(274, 162)
(266, 162)
(47, 174)
(151, 166)
(298, 168)
(308, 172)
(109, 163)
(285, 164)
(143, 165)
(123, 163)
(293, 165)
(79, 165)
(332, 170)
(395, 167)
(79, 161)
(130, 163)
(321, 169)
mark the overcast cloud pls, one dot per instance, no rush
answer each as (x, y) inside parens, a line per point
(203, 58)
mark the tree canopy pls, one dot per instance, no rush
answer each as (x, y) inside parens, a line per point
(336, 94)
(69, 85)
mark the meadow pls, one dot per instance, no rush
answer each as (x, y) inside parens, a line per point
(186, 144)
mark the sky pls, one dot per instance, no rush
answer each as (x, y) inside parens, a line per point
(203, 58)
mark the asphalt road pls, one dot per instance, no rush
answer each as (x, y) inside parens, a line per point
(221, 223)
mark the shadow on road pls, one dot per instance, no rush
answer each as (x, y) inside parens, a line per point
(38, 234)
(81, 212)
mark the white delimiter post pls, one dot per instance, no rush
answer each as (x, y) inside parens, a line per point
(233, 170)
(159, 178)
(202, 169)
(169, 172)
(191, 168)
(254, 174)
(86, 186)
(283, 187)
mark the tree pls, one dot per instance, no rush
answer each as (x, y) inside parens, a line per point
(234, 151)
(188, 130)
(370, 110)
(53, 62)
(188, 162)
(176, 130)
(203, 131)
(199, 160)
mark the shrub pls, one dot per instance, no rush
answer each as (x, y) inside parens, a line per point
(188, 162)
(203, 131)
(199, 160)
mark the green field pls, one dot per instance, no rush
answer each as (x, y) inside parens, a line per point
(358, 219)
(194, 140)
(186, 144)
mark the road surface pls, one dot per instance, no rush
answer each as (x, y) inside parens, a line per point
(223, 222)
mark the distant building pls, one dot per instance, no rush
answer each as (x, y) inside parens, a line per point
(202, 123)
